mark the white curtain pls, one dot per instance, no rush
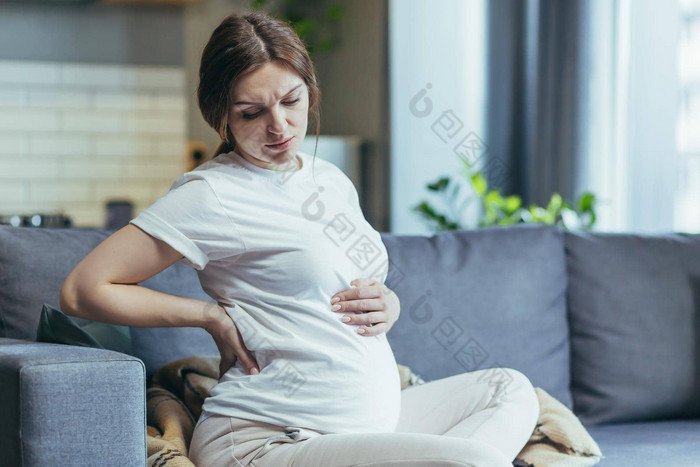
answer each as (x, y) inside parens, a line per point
(632, 161)
(437, 89)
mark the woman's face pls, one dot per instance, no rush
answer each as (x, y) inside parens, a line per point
(270, 106)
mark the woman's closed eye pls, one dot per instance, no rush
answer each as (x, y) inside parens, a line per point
(253, 115)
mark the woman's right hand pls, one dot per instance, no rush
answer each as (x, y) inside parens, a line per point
(230, 343)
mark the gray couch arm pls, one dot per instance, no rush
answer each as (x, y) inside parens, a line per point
(70, 405)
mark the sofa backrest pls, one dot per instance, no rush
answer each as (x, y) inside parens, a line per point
(634, 315)
(488, 298)
(470, 300)
(34, 262)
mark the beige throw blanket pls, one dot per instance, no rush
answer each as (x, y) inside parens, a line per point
(174, 403)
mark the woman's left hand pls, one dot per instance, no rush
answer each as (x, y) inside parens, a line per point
(369, 303)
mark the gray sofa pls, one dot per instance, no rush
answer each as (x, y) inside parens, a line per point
(609, 324)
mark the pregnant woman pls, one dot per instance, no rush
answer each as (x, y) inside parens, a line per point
(278, 239)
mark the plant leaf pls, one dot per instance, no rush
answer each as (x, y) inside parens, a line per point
(586, 202)
(479, 184)
(334, 12)
(555, 203)
(512, 203)
(440, 184)
(257, 4)
(493, 197)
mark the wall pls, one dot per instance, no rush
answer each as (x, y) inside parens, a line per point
(92, 107)
(93, 33)
(74, 136)
(355, 101)
(199, 21)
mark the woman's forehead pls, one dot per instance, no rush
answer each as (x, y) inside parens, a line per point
(277, 95)
(268, 80)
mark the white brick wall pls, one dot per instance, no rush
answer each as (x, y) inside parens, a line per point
(74, 136)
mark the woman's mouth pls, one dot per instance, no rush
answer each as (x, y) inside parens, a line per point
(281, 146)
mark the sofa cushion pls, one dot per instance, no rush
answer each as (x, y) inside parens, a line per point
(486, 298)
(651, 443)
(634, 304)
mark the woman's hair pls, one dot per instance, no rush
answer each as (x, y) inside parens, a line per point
(240, 45)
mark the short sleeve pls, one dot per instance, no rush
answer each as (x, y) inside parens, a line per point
(191, 219)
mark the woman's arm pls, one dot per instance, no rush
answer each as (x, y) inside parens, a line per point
(103, 286)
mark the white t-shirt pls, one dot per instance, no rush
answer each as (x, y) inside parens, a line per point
(272, 247)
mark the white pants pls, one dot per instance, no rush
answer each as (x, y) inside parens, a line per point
(480, 418)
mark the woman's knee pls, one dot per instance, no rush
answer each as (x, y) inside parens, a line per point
(518, 388)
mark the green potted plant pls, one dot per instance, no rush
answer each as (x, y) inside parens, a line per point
(495, 209)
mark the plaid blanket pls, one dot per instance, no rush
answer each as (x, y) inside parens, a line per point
(177, 391)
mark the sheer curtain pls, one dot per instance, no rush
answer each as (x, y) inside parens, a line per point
(605, 169)
(633, 161)
(687, 215)
(436, 78)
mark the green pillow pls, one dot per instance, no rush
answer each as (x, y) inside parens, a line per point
(55, 327)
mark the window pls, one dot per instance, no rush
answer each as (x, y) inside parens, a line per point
(687, 209)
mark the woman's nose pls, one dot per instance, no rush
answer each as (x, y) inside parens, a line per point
(278, 122)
